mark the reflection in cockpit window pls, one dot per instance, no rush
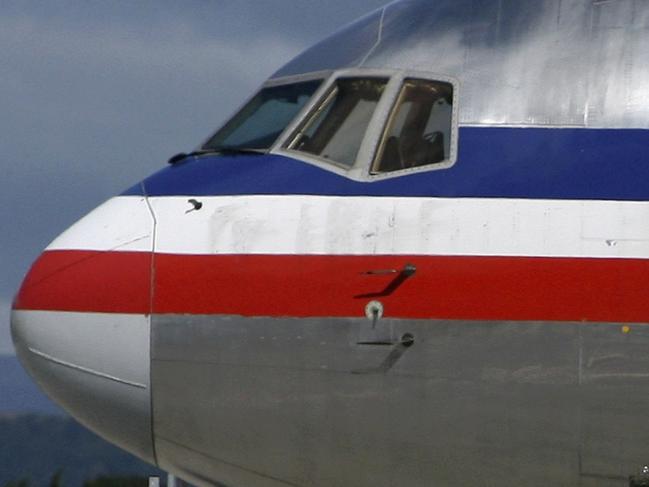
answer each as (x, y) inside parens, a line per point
(419, 129)
(335, 130)
(261, 121)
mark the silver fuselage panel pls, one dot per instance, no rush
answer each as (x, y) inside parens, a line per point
(276, 402)
(577, 63)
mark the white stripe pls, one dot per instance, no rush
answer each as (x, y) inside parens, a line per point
(387, 225)
(123, 223)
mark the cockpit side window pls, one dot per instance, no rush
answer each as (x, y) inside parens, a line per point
(260, 122)
(336, 127)
(418, 131)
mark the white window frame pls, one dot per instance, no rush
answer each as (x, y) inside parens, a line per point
(361, 168)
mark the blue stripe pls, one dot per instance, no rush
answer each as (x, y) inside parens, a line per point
(494, 162)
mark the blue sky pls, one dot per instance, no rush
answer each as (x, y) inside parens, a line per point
(96, 95)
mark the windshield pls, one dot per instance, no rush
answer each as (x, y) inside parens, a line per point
(419, 130)
(264, 118)
(336, 129)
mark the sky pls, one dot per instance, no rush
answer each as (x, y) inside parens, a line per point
(97, 95)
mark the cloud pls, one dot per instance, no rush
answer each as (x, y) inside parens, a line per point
(84, 80)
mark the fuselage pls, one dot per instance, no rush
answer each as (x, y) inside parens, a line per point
(429, 270)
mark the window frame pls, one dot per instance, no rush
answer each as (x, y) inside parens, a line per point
(305, 122)
(361, 169)
(355, 170)
(402, 78)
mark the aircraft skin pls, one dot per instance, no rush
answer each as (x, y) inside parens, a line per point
(278, 319)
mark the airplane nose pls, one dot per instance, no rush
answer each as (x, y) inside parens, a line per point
(95, 366)
(80, 323)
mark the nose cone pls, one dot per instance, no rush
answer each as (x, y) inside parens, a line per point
(80, 323)
(96, 366)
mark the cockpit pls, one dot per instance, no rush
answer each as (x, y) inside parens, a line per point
(364, 124)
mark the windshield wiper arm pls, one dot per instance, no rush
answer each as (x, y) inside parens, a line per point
(228, 150)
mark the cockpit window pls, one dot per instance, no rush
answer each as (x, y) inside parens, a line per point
(365, 124)
(336, 127)
(261, 121)
(418, 131)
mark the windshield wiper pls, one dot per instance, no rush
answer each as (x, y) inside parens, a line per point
(233, 149)
(227, 150)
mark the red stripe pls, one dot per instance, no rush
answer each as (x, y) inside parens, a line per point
(498, 288)
(486, 288)
(75, 280)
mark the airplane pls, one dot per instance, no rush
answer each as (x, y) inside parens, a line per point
(417, 256)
